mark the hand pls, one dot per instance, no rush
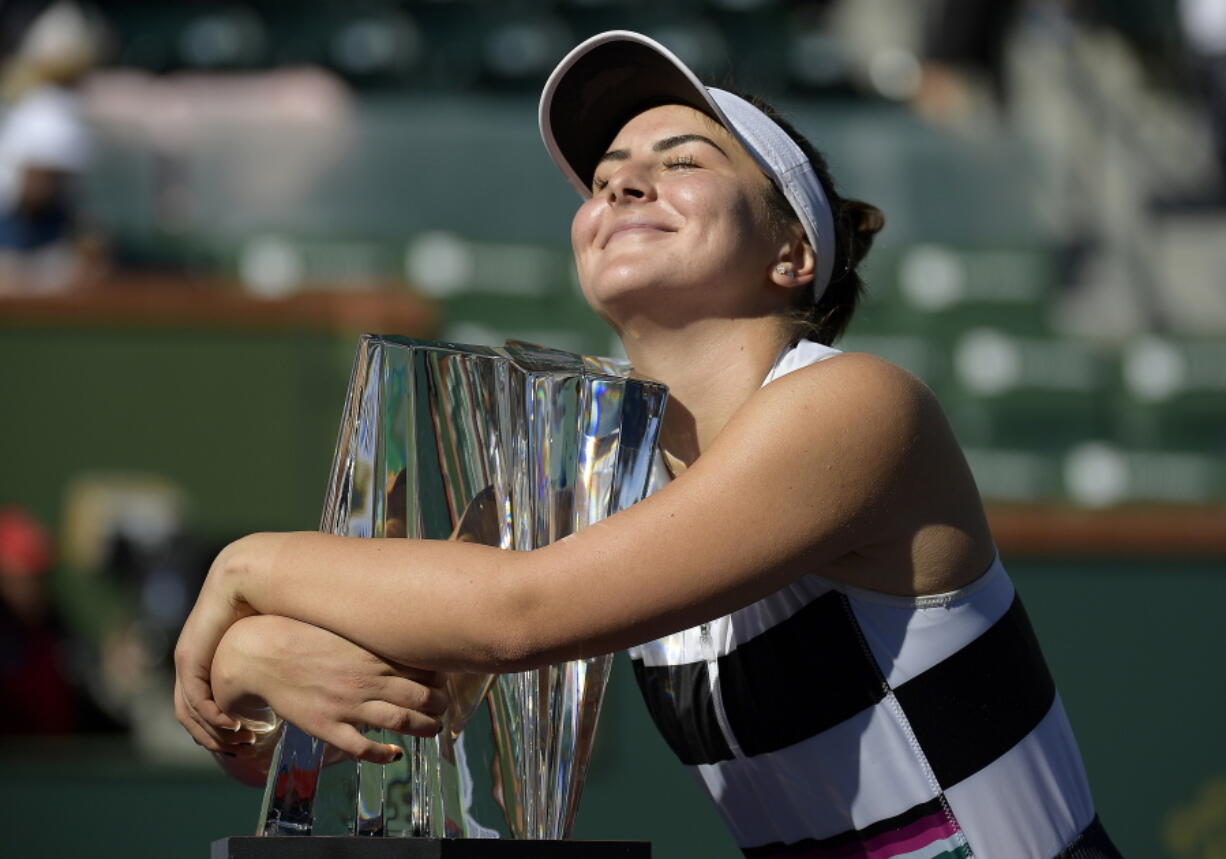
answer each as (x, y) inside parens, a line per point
(217, 607)
(324, 684)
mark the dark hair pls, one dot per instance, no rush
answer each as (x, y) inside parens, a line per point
(855, 224)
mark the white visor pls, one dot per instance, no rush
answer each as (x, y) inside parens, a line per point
(611, 77)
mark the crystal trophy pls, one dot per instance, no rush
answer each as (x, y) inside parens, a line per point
(513, 446)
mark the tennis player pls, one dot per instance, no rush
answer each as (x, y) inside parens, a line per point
(818, 618)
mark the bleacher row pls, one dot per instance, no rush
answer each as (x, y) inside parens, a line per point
(1043, 418)
(440, 181)
(1046, 418)
(457, 44)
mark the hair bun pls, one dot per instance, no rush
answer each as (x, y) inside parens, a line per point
(864, 218)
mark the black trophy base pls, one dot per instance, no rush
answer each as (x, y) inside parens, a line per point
(327, 847)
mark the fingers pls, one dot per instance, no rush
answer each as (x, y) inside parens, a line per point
(428, 700)
(202, 632)
(198, 732)
(381, 714)
(203, 734)
(198, 698)
(202, 730)
(350, 740)
(206, 708)
(192, 681)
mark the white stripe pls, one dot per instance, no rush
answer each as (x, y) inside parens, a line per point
(804, 354)
(858, 772)
(717, 693)
(680, 648)
(731, 631)
(907, 636)
(1034, 798)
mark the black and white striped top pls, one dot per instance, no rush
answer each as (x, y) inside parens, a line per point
(831, 721)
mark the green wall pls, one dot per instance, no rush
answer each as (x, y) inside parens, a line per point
(244, 420)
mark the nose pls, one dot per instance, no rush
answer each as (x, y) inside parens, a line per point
(629, 183)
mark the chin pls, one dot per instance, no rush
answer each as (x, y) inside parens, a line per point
(650, 306)
(622, 290)
(631, 275)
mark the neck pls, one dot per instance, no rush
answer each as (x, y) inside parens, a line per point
(712, 367)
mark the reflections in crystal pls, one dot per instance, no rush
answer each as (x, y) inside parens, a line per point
(512, 447)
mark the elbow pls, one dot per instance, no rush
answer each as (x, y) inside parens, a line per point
(510, 656)
(512, 631)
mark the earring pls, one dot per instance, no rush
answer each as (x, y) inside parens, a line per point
(783, 269)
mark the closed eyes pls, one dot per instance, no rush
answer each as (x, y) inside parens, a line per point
(670, 163)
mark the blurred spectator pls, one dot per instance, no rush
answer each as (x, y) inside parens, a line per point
(964, 46)
(44, 146)
(1204, 27)
(33, 685)
(128, 571)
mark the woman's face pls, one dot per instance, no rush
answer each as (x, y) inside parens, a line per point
(678, 225)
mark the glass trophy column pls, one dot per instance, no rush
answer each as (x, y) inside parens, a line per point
(514, 446)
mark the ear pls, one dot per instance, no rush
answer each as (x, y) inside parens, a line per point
(795, 264)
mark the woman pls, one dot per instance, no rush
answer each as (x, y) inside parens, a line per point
(853, 674)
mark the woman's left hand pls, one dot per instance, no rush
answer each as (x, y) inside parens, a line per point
(219, 605)
(325, 685)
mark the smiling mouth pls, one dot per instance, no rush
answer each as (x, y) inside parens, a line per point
(631, 229)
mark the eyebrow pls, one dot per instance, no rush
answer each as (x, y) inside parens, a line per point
(662, 145)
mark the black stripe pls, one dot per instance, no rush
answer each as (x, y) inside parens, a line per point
(1092, 843)
(971, 708)
(799, 678)
(680, 702)
(851, 836)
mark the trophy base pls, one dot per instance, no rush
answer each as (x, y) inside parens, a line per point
(335, 847)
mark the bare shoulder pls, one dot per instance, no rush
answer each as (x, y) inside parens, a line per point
(867, 443)
(852, 427)
(863, 434)
(846, 468)
(861, 377)
(848, 401)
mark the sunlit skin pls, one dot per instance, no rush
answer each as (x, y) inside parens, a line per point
(846, 468)
(677, 226)
(678, 252)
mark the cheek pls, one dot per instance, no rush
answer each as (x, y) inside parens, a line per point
(583, 230)
(728, 215)
(692, 195)
(583, 227)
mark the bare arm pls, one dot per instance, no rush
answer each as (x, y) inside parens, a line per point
(830, 462)
(327, 686)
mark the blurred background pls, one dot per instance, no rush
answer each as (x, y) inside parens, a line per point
(203, 203)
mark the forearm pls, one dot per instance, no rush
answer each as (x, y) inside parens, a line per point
(433, 604)
(714, 540)
(452, 606)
